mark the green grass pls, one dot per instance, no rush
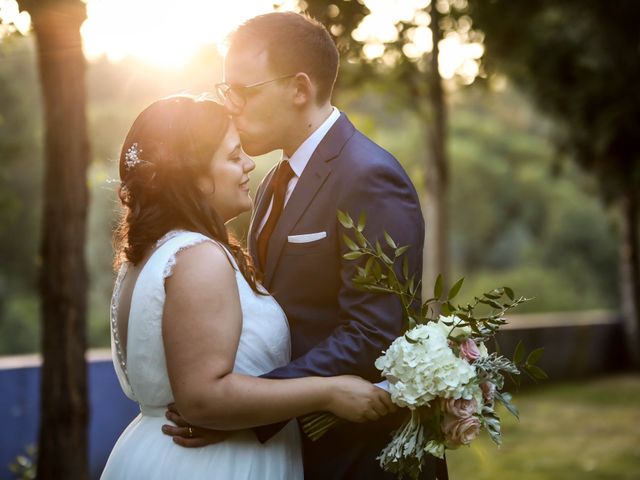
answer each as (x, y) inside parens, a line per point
(570, 431)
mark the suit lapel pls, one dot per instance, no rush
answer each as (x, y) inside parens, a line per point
(313, 177)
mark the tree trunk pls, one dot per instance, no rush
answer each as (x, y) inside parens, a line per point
(436, 258)
(62, 451)
(630, 273)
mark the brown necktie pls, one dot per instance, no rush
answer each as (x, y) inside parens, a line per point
(280, 182)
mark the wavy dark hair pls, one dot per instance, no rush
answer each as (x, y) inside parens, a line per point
(176, 138)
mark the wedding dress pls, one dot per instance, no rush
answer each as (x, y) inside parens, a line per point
(143, 451)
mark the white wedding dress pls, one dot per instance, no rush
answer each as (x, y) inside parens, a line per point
(143, 451)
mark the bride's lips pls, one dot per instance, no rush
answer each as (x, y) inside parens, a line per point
(245, 185)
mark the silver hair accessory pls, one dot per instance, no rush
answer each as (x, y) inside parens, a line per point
(132, 158)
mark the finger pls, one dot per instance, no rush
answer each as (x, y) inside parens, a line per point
(176, 431)
(386, 399)
(371, 415)
(191, 442)
(173, 408)
(380, 407)
(176, 418)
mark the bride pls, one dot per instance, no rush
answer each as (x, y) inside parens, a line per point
(190, 322)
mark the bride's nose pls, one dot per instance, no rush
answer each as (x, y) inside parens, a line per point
(249, 164)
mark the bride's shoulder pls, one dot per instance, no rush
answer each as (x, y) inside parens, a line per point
(201, 259)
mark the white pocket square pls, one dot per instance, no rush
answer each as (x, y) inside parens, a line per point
(307, 237)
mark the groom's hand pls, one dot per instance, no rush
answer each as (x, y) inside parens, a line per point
(189, 436)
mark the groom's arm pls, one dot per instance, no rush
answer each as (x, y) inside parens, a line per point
(368, 322)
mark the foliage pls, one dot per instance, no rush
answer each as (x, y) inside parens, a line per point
(24, 466)
(578, 59)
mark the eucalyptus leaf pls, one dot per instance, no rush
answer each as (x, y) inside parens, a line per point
(400, 250)
(360, 238)
(345, 219)
(362, 220)
(350, 243)
(389, 240)
(352, 255)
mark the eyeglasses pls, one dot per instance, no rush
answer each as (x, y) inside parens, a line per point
(237, 94)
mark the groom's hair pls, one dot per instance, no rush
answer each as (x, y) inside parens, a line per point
(294, 43)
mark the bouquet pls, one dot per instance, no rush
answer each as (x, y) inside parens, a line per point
(440, 368)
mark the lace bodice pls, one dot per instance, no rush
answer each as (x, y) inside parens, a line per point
(264, 341)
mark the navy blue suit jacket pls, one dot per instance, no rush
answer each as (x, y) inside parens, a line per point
(337, 329)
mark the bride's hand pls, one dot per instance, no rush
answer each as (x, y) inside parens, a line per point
(356, 400)
(189, 436)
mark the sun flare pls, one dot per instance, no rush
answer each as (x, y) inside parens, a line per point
(164, 32)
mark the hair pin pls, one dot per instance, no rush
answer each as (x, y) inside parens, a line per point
(132, 157)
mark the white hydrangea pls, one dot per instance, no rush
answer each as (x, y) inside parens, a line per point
(425, 367)
(450, 330)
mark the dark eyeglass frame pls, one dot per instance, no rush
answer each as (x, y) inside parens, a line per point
(236, 94)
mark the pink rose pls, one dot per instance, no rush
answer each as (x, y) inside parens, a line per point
(488, 391)
(469, 350)
(459, 408)
(460, 431)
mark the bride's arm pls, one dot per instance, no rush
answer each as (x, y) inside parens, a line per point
(201, 328)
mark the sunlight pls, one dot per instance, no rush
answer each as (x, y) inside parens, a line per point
(458, 55)
(170, 33)
(164, 32)
(11, 19)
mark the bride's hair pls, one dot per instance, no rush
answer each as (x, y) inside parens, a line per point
(168, 148)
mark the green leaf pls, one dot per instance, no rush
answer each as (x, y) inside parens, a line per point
(379, 249)
(400, 250)
(405, 267)
(509, 293)
(536, 372)
(352, 255)
(534, 356)
(438, 287)
(518, 355)
(360, 238)
(389, 240)
(368, 265)
(345, 219)
(446, 311)
(362, 220)
(455, 289)
(350, 243)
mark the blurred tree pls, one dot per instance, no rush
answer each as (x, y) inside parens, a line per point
(579, 60)
(415, 79)
(62, 446)
(20, 190)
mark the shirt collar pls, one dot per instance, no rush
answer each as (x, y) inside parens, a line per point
(302, 155)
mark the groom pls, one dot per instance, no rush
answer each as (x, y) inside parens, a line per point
(280, 70)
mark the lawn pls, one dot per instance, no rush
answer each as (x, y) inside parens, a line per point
(567, 431)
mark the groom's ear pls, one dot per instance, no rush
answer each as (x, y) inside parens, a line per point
(305, 90)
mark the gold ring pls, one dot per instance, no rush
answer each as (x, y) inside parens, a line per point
(190, 430)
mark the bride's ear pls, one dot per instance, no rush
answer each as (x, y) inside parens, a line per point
(305, 90)
(206, 185)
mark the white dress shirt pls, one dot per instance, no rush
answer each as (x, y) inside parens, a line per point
(301, 157)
